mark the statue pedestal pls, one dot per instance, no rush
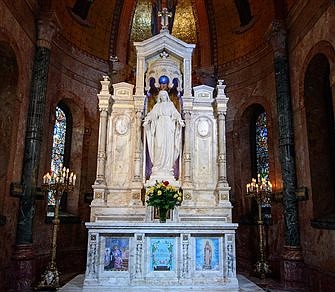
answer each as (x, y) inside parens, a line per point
(132, 256)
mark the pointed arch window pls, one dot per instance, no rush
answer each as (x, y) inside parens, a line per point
(260, 155)
(262, 148)
(259, 143)
(61, 145)
(319, 107)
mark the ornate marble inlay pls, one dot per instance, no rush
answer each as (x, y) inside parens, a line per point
(188, 196)
(136, 196)
(98, 195)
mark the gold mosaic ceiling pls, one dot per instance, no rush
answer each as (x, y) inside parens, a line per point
(184, 26)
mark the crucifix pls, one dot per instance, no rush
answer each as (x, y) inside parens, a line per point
(164, 14)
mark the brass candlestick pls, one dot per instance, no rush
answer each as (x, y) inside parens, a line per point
(55, 184)
(261, 190)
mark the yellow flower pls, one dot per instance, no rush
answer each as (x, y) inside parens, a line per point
(159, 192)
(175, 196)
(179, 199)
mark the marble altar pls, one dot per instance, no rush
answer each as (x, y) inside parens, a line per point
(127, 246)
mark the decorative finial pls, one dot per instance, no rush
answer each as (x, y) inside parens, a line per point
(220, 82)
(164, 54)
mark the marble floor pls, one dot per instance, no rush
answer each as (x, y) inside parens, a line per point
(76, 284)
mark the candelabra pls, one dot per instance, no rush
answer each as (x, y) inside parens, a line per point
(261, 190)
(55, 184)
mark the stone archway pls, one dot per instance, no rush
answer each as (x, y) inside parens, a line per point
(320, 133)
(8, 101)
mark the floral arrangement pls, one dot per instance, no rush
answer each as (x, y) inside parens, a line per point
(164, 196)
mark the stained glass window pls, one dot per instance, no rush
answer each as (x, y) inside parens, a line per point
(58, 145)
(262, 151)
(262, 161)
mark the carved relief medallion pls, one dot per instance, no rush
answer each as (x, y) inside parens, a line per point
(122, 125)
(203, 127)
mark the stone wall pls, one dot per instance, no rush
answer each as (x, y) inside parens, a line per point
(17, 47)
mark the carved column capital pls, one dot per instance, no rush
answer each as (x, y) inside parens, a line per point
(277, 36)
(138, 114)
(47, 26)
(104, 109)
(187, 115)
(221, 115)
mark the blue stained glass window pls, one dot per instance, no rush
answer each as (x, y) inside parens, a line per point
(262, 149)
(58, 145)
(262, 158)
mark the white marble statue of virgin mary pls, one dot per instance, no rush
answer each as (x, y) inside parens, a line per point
(163, 128)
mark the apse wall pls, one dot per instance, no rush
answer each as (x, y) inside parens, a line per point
(308, 38)
(250, 80)
(17, 41)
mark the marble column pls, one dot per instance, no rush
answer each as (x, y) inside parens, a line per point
(222, 149)
(24, 254)
(104, 107)
(138, 149)
(140, 75)
(187, 78)
(187, 182)
(292, 256)
(137, 184)
(222, 184)
(138, 171)
(101, 161)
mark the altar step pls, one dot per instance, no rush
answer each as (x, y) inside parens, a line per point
(76, 284)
